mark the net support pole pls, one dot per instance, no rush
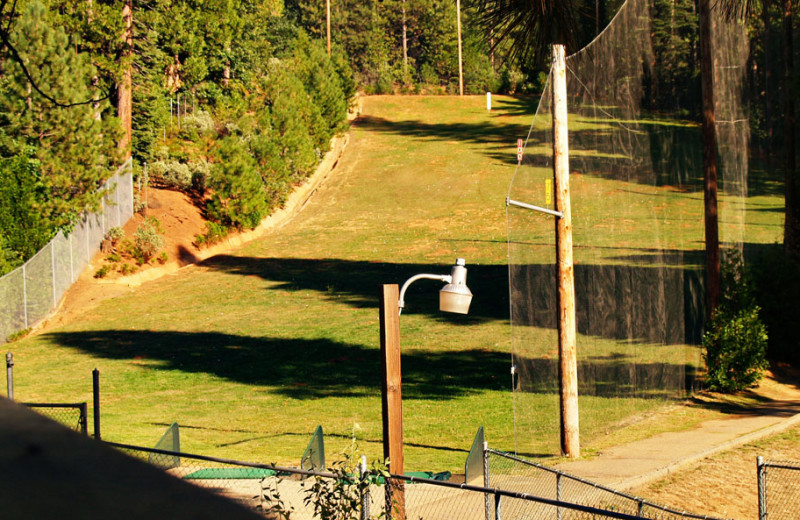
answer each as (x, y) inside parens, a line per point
(391, 398)
(567, 368)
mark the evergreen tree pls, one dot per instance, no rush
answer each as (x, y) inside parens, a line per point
(23, 195)
(75, 148)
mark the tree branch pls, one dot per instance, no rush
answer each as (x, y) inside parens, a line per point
(17, 58)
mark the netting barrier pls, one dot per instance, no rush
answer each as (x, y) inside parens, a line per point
(31, 292)
(71, 415)
(637, 214)
(778, 489)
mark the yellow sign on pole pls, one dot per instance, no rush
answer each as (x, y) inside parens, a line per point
(548, 191)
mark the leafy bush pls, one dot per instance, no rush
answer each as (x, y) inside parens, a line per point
(427, 74)
(103, 271)
(736, 340)
(147, 241)
(199, 123)
(171, 174)
(214, 233)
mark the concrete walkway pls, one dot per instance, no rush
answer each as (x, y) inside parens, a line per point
(637, 463)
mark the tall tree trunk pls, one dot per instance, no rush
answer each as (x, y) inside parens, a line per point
(405, 46)
(713, 278)
(791, 232)
(125, 87)
(767, 78)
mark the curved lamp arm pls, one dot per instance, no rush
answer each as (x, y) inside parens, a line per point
(441, 277)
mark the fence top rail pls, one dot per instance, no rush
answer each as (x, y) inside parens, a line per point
(781, 464)
(576, 478)
(54, 405)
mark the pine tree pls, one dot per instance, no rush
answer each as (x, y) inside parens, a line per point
(76, 150)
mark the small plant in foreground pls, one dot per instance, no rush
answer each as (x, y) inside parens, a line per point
(113, 236)
(103, 271)
(162, 258)
(736, 340)
(341, 497)
(214, 233)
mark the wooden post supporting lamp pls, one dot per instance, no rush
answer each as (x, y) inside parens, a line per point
(453, 297)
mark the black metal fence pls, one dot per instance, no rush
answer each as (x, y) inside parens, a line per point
(300, 494)
(72, 415)
(510, 472)
(778, 489)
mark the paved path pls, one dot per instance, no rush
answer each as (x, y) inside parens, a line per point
(644, 461)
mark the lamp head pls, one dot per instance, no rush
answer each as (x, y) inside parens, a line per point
(456, 296)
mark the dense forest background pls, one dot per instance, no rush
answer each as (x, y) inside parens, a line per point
(236, 101)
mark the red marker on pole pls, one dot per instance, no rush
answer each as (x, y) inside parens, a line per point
(519, 150)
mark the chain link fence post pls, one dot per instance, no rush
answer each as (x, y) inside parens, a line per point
(486, 499)
(365, 498)
(10, 374)
(762, 488)
(83, 421)
(96, 402)
(558, 495)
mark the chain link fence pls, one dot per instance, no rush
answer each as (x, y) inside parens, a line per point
(507, 471)
(295, 493)
(778, 489)
(71, 415)
(31, 292)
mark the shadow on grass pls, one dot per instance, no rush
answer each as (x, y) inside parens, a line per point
(296, 368)
(646, 302)
(309, 369)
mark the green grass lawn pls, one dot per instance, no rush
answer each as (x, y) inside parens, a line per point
(250, 351)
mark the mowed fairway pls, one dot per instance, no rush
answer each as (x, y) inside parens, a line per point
(250, 351)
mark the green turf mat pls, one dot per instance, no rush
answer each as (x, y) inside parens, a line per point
(230, 473)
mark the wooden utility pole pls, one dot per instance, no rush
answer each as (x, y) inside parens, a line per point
(328, 24)
(392, 398)
(568, 364)
(125, 87)
(460, 67)
(709, 136)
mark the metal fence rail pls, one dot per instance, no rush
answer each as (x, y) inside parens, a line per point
(508, 471)
(73, 415)
(778, 489)
(265, 486)
(32, 291)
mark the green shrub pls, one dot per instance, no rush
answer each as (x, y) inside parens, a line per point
(103, 271)
(171, 174)
(199, 123)
(238, 198)
(147, 242)
(427, 75)
(736, 340)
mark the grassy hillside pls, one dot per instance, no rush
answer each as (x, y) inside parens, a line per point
(249, 351)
